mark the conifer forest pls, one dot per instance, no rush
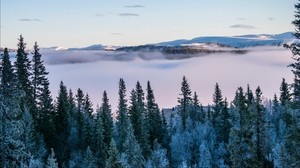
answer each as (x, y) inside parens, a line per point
(41, 131)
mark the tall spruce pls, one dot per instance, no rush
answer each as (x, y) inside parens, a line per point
(137, 112)
(61, 125)
(23, 72)
(8, 81)
(107, 121)
(296, 56)
(185, 101)
(285, 96)
(154, 118)
(122, 116)
(260, 133)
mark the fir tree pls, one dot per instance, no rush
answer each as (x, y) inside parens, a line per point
(133, 152)
(51, 161)
(154, 118)
(218, 104)
(296, 56)
(98, 141)
(260, 133)
(23, 73)
(113, 160)
(7, 75)
(138, 118)
(185, 101)
(285, 96)
(122, 116)
(61, 125)
(105, 114)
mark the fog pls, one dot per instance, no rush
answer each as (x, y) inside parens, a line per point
(96, 71)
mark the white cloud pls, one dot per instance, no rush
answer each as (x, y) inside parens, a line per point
(242, 26)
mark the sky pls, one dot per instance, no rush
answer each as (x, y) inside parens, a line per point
(79, 23)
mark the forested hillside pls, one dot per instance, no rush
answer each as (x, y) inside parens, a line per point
(37, 130)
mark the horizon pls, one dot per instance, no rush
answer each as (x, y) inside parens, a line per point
(128, 23)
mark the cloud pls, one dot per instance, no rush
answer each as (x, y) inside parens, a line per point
(271, 18)
(30, 20)
(100, 14)
(128, 14)
(134, 6)
(242, 26)
(241, 19)
(116, 34)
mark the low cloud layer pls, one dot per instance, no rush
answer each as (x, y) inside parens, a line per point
(96, 71)
(242, 26)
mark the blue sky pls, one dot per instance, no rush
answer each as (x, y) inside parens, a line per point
(78, 23)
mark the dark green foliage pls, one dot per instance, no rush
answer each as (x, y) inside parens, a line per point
(139, 120)
(23, 74)
(185, 101)
(7, 76)
(122, 116)
(154, 118)
(285, 96)
(113, 160)
(61, 125)
(106, 115)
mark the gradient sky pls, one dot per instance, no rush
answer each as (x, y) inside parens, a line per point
(79, 23)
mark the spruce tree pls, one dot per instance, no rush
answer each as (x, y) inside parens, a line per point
(99, 147)
(122, 116)
(23, 73)
(285, 96)
(218, 104)
(113, 160)
(138, 118)
(185, 101)
(51, 161)
(260, 133)
(295, 47)
(105, 114)
(61, 125)
(7, 75)
(154, 118)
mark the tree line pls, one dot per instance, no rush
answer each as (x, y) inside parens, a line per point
(38, 131)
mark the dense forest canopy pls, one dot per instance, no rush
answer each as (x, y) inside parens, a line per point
(37, 130)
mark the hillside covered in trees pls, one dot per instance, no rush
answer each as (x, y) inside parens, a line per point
(37, 130)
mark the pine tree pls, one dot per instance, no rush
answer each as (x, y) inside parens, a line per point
(105, 114)
(51, 161)
(296, 56)
(7, 76)
(260, 133)
(185, 101)
(113, 160)
(61, 125)
(133, 152)
(240, 141)
(122, 116)
(99, 146)
(137, 114)
(89, 161)
(38, 75)
(285, 96)
(154, 118)
(158, 158)
(88, 105)
(218, 104)
(23, 73)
